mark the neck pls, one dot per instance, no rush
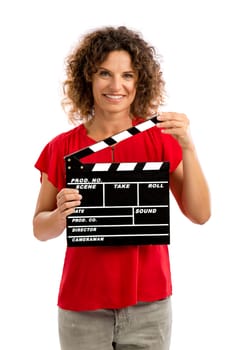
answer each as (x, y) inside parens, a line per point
(101, 127)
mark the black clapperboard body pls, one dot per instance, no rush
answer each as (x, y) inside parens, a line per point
(123, 203)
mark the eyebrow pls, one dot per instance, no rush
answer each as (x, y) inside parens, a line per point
(128, 71)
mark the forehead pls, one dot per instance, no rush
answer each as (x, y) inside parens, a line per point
(118, 60)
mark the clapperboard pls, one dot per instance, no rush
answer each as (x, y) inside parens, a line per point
(123, 203)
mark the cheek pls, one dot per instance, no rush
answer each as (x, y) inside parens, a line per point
(97, 86)
(133, 88)
(133, 91)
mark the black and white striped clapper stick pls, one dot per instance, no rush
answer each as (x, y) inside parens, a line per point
(112, 140)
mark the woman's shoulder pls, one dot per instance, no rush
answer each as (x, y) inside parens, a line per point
(69, 141)
(68, 135)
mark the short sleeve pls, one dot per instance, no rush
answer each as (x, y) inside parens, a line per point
(51, 161)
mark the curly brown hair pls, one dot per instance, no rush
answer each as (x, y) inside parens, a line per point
(91, 51)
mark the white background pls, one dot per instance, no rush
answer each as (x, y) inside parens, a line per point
(195, 40)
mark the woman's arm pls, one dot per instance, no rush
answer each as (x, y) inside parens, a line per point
(187, 182)
(52, 207)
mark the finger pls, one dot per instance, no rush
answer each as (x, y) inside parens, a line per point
(69, 206)
(67, 212)
(175, 131)
(165, 116)
(67, 196)
(171, 124)
(65, 191)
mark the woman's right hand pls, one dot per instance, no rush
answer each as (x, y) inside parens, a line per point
(67, 200)
(52, 208)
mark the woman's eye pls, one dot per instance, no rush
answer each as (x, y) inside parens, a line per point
(128, 76)
(103, 73)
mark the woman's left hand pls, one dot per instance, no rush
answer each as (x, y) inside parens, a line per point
(177, 125)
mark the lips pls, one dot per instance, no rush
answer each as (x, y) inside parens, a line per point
(114, 97)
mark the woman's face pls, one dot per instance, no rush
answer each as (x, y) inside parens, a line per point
(114, 83)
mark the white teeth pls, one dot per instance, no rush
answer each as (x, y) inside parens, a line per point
(114, 97)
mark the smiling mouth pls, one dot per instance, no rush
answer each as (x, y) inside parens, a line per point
(114, 97)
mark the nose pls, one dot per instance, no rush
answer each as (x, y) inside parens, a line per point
(115, 83)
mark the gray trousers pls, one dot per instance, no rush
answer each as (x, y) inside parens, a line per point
(144, 326)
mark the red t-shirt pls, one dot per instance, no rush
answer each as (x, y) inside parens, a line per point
(116, 276)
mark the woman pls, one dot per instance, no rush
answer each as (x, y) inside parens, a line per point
(119, 296)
